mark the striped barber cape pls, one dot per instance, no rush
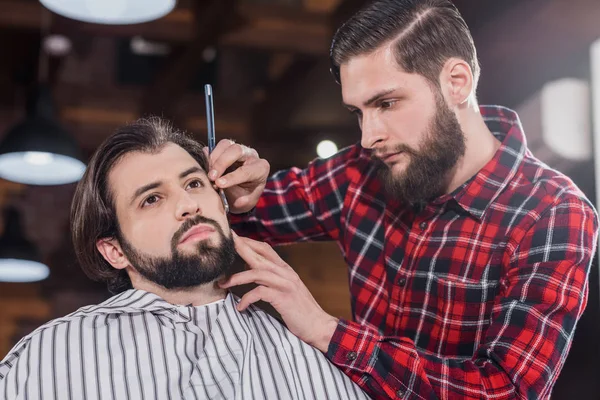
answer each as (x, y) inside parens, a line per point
(136, 345)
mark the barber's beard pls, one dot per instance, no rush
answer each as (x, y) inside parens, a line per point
(185, 270)
(428, 171)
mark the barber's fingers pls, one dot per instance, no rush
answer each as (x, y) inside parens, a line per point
(258, 250)
(259, 255)
(226, 155)
(253, 172)
(259, 293)
(257, 276)
(221, 146)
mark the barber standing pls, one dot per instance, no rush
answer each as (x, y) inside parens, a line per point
(468, 258)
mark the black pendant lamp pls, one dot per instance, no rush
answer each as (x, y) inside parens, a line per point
(20, 260)
(38, 150)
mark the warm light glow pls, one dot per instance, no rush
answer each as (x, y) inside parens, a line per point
(141, 46)
(209, 54)
(57, 45)
(111, 12)
(16, 270)
(326, 149)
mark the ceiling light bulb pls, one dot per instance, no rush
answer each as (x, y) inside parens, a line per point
(15, 270)
(326, 149)
(37, 158)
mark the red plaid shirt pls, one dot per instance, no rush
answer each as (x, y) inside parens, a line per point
(475, 296)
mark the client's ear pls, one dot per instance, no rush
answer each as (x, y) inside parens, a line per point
(112, 252)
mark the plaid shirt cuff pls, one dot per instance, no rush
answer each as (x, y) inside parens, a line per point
(353, 346)
(361, 352)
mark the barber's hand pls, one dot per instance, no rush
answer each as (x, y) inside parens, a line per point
(280, 286)
(240, 172)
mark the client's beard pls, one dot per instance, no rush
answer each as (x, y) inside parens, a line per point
(181, 270)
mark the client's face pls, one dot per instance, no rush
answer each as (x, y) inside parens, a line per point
(173, 227)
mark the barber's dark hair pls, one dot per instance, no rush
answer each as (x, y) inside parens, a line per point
(93, 215)
(424, 33)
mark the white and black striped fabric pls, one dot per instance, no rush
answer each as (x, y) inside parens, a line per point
(138, 346)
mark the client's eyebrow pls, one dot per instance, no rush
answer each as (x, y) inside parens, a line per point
(190, 171)
(140, 191)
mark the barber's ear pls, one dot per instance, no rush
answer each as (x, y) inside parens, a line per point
(112, 252)
(456, 81)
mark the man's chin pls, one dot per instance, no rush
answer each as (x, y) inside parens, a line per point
(398, 169)
(395, 172)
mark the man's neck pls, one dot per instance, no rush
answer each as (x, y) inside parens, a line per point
(195, 296)
(480, 146)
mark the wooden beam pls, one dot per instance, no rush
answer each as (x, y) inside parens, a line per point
(280, 28)
(21, 14)
(321, 6)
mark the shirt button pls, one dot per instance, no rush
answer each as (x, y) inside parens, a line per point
(400, 393)
(423, 225)
(402, 282)
(351, 356)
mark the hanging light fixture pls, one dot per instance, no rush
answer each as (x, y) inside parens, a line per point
(111, 12)
(38, 151)
(20, 260)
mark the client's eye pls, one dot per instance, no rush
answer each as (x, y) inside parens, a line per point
(150, 200)
(195, 184)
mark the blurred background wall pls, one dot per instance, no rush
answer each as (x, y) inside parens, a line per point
(268, 63)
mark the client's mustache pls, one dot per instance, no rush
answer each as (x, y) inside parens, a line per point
(378, 154)
(189, 224)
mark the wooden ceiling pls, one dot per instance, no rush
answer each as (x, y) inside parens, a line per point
(273, 89)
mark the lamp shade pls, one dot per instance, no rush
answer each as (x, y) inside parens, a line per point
(38, 151)
(111, 12)
(20, 260)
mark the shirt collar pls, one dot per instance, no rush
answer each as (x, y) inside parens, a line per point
(475, 195)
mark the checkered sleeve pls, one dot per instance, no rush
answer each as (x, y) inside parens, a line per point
(542, 296)
(301, 205)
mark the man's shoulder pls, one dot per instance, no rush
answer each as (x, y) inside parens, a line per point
(84, 318)
(58, 328)
(538, 189)
(351, 157)
(351, 166)
(551, 183)
(59, 325)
